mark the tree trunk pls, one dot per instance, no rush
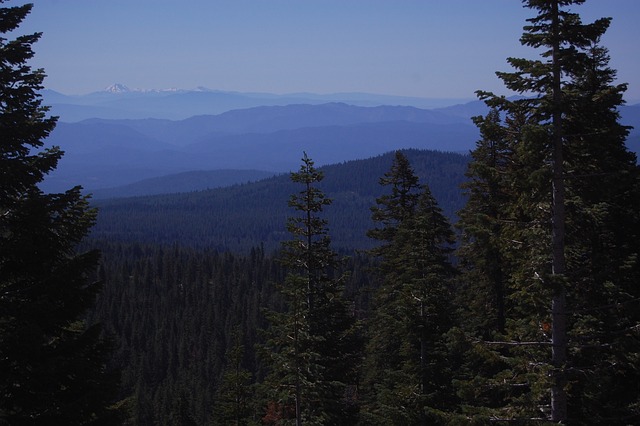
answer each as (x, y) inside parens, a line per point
(558, 304)
(423, 357)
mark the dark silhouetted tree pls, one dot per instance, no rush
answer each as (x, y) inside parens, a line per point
(52, 368)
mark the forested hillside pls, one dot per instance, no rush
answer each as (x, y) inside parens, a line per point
(182, 182)
(244, 216)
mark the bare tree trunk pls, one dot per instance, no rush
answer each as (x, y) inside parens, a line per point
(298, 367)
(423, 357)
(558, 304)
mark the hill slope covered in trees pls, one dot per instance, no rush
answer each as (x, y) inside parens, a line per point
(244, 216)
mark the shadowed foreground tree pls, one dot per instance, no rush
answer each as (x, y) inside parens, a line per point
(52, 368)
(560, 254)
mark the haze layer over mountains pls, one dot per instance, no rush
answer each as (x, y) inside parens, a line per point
(119, 137)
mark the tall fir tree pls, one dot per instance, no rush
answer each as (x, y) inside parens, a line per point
(407, 361)
(571, 314)
(52, 368)
(314, 345)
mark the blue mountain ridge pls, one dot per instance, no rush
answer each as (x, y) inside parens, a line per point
(102, 153)
(181, 104)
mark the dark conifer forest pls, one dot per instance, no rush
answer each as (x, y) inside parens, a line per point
(411, 288)
(240, 217)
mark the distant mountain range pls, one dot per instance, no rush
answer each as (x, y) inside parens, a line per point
(119, 102)
(102, 153)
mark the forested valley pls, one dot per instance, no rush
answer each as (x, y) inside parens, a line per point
(176, 305)
(412, 288)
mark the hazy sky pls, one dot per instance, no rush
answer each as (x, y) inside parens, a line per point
(424, 48)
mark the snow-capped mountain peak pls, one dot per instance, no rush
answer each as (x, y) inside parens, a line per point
(117, 88)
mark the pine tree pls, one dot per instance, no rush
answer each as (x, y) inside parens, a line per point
(407, 359)
(313, 345)
(571, 182)
(52, 367)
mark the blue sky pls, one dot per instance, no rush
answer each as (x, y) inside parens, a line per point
(424, 48)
